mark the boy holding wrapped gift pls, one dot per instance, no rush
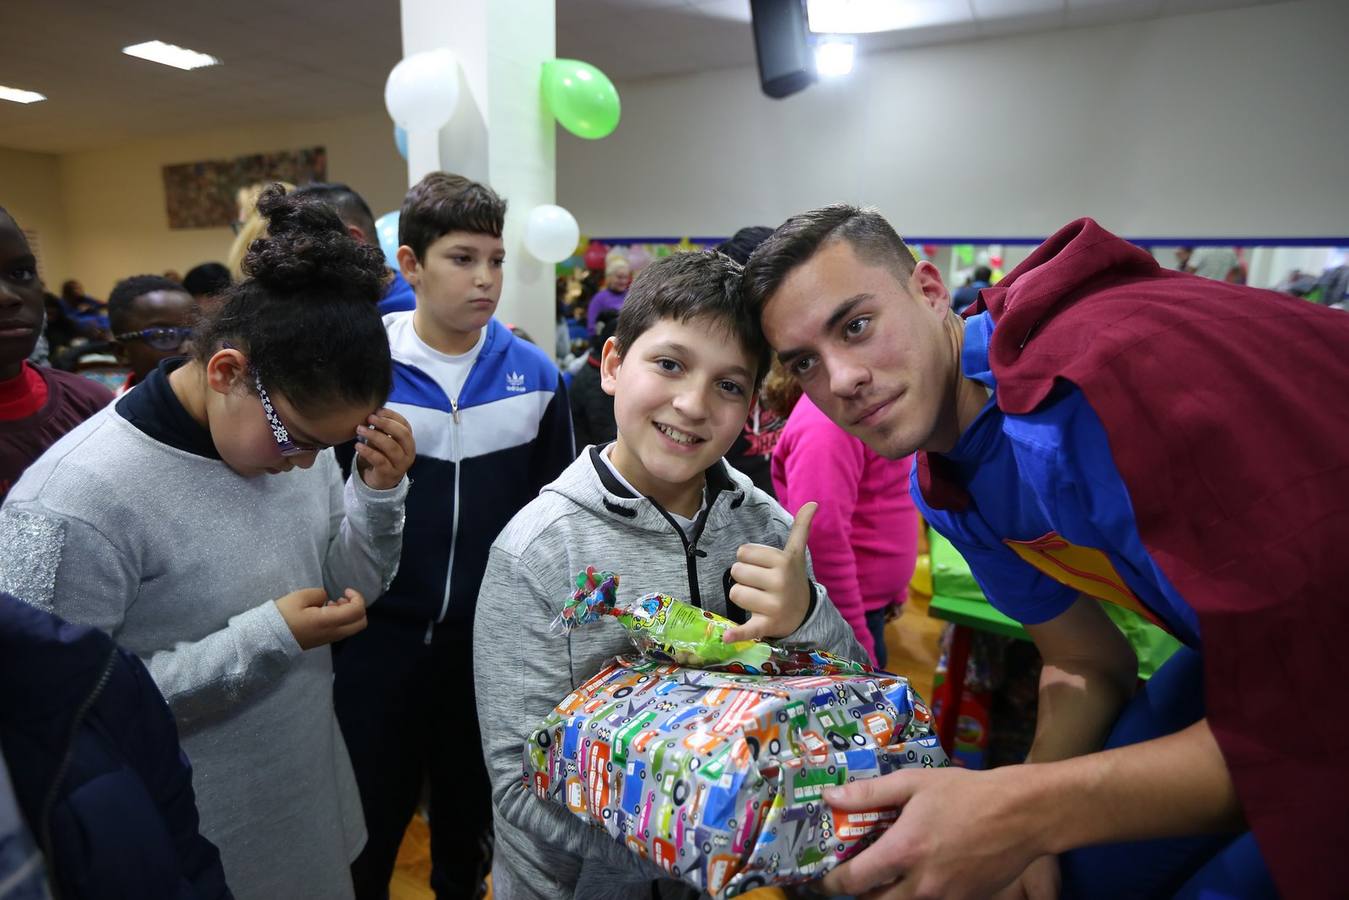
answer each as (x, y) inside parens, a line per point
(662, 508)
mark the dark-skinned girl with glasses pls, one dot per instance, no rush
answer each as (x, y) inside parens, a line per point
(203, 522)
(151, 319)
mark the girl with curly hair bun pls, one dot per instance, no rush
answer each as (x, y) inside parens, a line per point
(204, 523)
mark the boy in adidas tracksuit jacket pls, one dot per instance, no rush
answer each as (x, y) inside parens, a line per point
(493, 426)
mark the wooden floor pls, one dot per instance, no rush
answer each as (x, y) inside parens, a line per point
(912, 644)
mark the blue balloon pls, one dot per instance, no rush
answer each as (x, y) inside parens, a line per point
(386, 229)
(400, 140)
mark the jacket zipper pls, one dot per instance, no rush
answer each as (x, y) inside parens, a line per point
(49, 803)
(454, 527)
(458, 465)
(691, 551)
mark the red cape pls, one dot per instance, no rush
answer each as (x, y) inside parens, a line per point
(1227, 413)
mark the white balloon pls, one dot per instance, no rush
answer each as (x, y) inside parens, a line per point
(423, 90)
(551, 233)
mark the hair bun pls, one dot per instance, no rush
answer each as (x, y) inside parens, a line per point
(308, 247)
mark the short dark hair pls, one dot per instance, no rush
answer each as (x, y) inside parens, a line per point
(350, 206)
(684, 286)
(799, 238)
(441, 203)
(983, 273)
(305, 312)
(744, 242)
(128, 290)
(207, 279)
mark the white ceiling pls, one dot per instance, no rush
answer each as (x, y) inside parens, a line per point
(300, 59)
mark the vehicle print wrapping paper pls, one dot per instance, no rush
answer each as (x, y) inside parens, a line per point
(718, 776)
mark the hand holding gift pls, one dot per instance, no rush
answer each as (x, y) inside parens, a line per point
(771, 584)
(961, 834)
(716, 769)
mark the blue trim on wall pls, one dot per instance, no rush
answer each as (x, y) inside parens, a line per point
(1340, 241)
(1185, 241)
(657, 240)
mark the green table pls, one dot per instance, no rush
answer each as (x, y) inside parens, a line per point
(956, 598)
(978, 614)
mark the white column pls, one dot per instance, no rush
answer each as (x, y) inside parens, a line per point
(500, 134)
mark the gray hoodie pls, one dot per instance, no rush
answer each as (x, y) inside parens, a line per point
(522, 670)
(180, 559)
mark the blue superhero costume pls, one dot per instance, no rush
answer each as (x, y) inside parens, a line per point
(1171, 444)
(1047, 491)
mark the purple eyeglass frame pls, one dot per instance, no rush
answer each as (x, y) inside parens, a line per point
(279, 430)
(280, 433)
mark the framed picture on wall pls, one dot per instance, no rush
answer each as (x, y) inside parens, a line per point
(204, 194)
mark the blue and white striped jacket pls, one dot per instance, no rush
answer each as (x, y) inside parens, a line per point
(478, 462)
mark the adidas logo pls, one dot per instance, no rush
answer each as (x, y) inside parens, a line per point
(515, 382)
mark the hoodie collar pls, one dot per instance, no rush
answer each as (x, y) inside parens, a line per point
(718, 479)
(623, 502)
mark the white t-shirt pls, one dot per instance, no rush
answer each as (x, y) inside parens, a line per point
(685, 525)
(450, 371)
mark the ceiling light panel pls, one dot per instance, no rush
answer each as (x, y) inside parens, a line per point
(16, 95)
(171, 55)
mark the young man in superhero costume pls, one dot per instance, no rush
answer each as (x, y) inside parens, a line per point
(1097, 428)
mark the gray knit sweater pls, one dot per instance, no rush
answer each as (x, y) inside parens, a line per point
(180, 560)
(522, 670)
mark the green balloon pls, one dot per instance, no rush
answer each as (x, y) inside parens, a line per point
(581, 97)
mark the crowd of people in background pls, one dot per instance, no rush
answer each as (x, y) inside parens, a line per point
(82, 333)
(138, 437)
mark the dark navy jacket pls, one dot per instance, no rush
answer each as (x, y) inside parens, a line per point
(398, 296)
(476, 466)
(93, 754)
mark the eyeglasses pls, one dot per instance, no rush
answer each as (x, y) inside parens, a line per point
(158, 338)
(279, 430)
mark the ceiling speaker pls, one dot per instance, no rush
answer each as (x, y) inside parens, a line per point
(781, 46)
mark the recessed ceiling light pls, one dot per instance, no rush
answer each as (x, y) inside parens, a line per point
(834, 56)
(860, 16)
(18, 96)
(170, 55)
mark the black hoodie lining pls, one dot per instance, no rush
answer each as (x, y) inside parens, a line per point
(611, 484)
(718, 480)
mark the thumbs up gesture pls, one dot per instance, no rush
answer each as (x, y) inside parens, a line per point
(771, 584)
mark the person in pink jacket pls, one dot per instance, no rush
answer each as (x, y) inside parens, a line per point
(864, 539)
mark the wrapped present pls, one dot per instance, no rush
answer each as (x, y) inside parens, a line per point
(718, 776)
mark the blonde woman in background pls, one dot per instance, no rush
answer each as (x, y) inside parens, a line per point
(617, 277)
(251, 226)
